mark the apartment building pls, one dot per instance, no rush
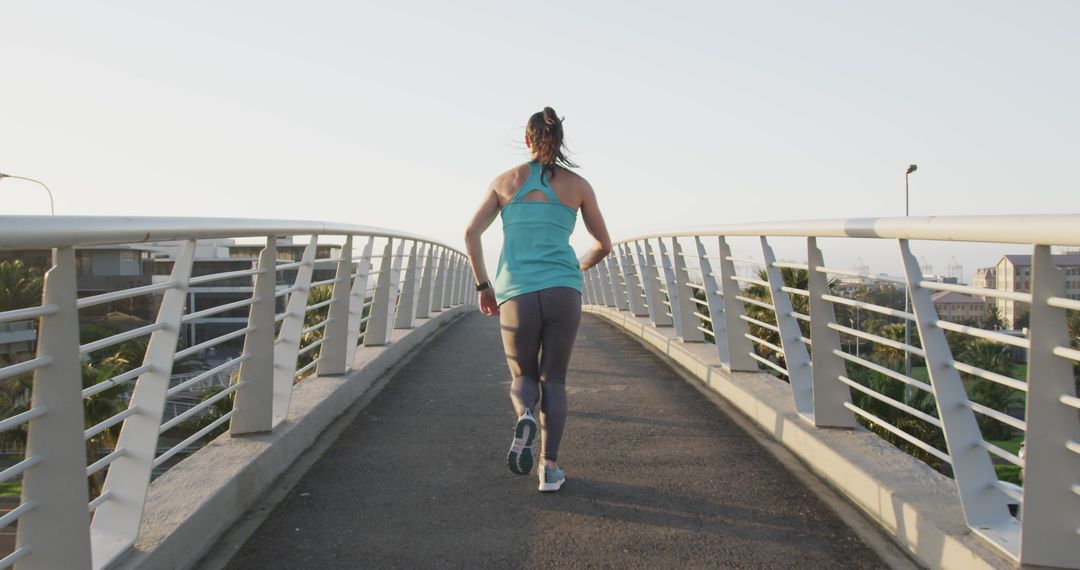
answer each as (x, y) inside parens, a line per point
(1013, 273)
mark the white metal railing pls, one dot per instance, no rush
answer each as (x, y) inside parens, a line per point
(747, 309)
(126, 443)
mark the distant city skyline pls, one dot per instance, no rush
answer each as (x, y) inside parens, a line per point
(688, 114)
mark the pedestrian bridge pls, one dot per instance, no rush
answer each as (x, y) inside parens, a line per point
(719, 406)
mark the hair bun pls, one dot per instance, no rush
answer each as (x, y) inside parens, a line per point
(550, 118)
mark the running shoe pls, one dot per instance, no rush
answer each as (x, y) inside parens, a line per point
(520, 457)
(551, 478)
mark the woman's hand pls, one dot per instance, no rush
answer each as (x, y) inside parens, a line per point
(488, 305)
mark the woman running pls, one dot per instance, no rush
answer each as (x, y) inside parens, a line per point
(537, 289)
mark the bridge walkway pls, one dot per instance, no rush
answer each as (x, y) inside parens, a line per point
(657, 475)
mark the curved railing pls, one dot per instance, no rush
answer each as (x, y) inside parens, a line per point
(787, 318)
(288, 309)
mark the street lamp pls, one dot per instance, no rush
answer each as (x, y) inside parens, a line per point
(52, 209)
(907, 290)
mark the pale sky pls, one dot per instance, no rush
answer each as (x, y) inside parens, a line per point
(398, 114)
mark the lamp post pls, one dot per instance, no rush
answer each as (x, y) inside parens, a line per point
(52, 209)
(907, 290)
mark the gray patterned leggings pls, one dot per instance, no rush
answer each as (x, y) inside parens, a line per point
(538, 331)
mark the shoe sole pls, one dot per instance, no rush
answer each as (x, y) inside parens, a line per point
(520, 457)
(552, 487)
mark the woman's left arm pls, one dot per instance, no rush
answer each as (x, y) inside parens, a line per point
(483, 217)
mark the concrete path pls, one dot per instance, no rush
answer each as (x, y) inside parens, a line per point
(657, 476)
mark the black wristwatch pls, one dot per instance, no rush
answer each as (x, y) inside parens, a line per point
(482, 286)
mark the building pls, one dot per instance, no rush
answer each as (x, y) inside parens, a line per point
(986, 278)
(1013, 273)
(958, 307)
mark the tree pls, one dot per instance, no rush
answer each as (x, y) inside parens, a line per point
(20, 285)
(992, 357)
(992, 319)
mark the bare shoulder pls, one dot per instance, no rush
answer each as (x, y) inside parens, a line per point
(508, 182)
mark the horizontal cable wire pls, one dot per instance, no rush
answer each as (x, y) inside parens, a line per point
(769, 363)
(1062, 303)
(196, 409)
(224, 275)
(104, 462)
(25, 367)
(983, 334)
(899, 432)
(207, 374)
(118, 338)
(315, 327)
(310, 347)
(318, 305)
(869, 307)
(116, 380)
(790, 265)
(707, 331)
(330, 281)
(992, 413)
(195, 437)
(1011, 458)
(849, 273)
(1065, 352)
(212, 342)
(308, 366)
(886, 371)
(28, 313)
(1014, 492)
(17, 512)
(976, 291)
(123, 294)
(109, 423)
(218, 309)
(20, 419)
(703, 317)
(97, 502)
(761, 304)
(795, 291)
(761, 324)
(1071, 401)
(749, 261)
(18, 469)
(753, 280)
(800, 316)
(14, 557)
(878, 339)
(894, 403)
(991, 376)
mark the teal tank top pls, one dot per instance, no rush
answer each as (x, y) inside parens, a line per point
(536, 252)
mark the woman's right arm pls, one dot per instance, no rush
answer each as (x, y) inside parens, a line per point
(594, 223)
(483, 217)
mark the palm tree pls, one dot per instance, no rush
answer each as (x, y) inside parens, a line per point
(318, 294)
(992, 319)
(993, 357)
(20, 286)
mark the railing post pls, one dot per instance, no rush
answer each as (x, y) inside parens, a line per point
(395, 287)
(669, 284)
(739, 347)
(332, 353)
(254, 402)
(287, 347)
(116, 521)
(618, 289)
(455, 291)
(984, 505)
(407, 305)
(423, 305)
(440, 283)
(357, 300)
(716, 304)
(605, 284)
(590, 284)
(656, 304)
(448, 282)
(829, 393)
(378, 330)
(1051, 505)
(54, 531)
(466, 282)
(796, 356)
(630, 278)
(688, 321)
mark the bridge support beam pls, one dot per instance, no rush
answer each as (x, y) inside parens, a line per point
(688, 322)
(287, 347)
(829, 394)
(335, 333)
(254, 404)
(791, 338)
(739, 348)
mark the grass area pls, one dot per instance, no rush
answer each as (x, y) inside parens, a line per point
(1010, 445)
(11, 489)
(1010, 473)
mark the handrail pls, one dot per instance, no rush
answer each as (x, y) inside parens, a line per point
(1049, 229)
(24, 232)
